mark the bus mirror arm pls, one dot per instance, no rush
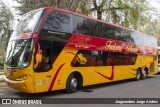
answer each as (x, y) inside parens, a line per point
(38, 58)
(38, 54)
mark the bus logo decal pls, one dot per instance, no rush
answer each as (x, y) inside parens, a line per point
(110, 45)
(54, 78)
(109, 78)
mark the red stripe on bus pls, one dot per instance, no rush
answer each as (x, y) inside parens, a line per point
(54, 78)
(86, 42)
(144, 66)
(109, 78)
(71, 53)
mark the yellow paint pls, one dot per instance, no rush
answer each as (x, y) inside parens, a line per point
(36, 82)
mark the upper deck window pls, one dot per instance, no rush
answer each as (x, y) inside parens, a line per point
(58, 21)
(29, 22)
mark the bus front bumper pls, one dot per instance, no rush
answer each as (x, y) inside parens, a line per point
(23, 85)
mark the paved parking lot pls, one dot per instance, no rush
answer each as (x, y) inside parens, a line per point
(148, 88)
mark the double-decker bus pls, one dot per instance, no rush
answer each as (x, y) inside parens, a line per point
(54, 49)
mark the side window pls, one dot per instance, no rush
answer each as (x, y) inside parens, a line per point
(138, 38)
(148, 42)
(154, 42)
(126, 36)
(120, 59)
(85, 58)
(77, 25)
(58, 21)
(104, 31)
(83, 26)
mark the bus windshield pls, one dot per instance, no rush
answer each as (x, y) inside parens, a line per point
(29, 22)
(19, 53)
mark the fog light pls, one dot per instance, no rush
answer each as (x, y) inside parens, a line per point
(24, 86)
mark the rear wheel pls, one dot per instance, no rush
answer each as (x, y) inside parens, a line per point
(72, 84)
(138, 75)
(144, 75)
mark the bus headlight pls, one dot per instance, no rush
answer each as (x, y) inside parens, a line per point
(22, 77)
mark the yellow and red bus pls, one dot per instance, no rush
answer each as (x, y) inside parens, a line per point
(54, 49)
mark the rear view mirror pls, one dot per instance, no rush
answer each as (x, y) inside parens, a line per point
(38, 56)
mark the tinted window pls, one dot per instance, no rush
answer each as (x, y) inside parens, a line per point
(126, 36)
(85, 58)
(137, 38)
(83, 26)
(63, 22)
(94, 28)
(58, 21)
(120, 59)
(104, 31)
(29, 23)
(153, 42)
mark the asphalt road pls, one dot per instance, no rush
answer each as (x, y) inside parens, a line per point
(148, 88)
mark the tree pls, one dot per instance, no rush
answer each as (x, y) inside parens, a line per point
(128, 13)
(132, 14)
(28, 5)
(6, 26)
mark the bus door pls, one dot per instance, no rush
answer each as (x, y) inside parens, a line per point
(50, 44)
(54, 35)
(43, 67)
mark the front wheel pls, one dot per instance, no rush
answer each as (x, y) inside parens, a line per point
(72, 84)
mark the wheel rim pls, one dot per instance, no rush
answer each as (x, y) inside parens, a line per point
(145, 73)
(138, 75)
(73, 83)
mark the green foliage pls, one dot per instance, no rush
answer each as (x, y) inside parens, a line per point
(5, 28)
(28, 5)
(133, 14)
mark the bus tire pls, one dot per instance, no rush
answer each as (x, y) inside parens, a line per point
(138, 75)
(72, 84)
(144, 74)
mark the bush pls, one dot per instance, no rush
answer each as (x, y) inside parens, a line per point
(1, 65)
